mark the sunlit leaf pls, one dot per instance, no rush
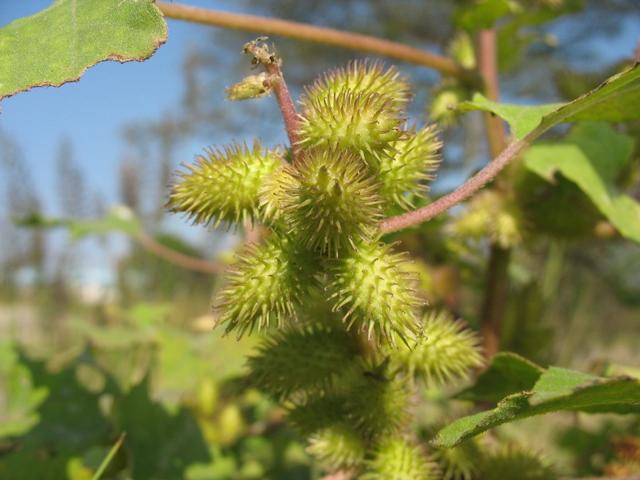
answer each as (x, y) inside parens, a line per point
(614, 100)
(591, 157)
(58, 44)
(557, 389)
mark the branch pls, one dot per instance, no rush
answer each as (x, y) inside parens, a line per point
(464, 191)
(271, 62)
(311, 33)
(496, 289)
(177, 258)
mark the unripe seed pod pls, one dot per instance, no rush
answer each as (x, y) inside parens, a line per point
(513, 461)
(223, 185)
(404, 175)
(376, 402)
(264, 286)
(363, 123)
(361, 76)
(337, 447)
(333, 202)
(397, 459)
(443, 107)
(443, 351)
(373, 288)
(301, 359)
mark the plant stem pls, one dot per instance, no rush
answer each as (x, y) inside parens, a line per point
(494, 303)
(311, 33)
(287, 107)
(271, 62)
(495, 299)
(177, 258)
(464, 191)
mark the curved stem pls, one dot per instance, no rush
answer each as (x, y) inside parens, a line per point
(464, 191)
(311, 33)
(177, 258)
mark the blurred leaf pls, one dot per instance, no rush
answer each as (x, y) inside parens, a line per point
(482, 13)
(19, 398)
(557, 389)
(592, 156)
(58, 44)
(161, 444)
(508, 373)
(614, 100)
(118, 219)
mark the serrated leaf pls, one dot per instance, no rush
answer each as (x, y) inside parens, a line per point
(508, 373)
(557, 389)
(59, 43)
(614, 100)
(592, 156)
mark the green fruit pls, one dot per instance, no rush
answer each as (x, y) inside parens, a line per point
(361, 76)
(373, 289)
(332, 203)
(337, 447)
(404, 175)
(397, 459)
(264, 286)
(223, 185)
(443, 351)
(305, 359)
(376, 401)
(515, 462)
(363, 123)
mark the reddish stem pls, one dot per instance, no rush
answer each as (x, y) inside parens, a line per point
(287, 107)
(463, 192)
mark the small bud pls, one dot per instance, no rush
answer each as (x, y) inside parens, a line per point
(253, 86)
(444, 105)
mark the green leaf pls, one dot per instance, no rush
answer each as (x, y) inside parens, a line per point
(483, 13)
(118, 219)
(508, 373)
(557, 389)
(614, 100)
(58, 44)
(592, 156)
(19, 397)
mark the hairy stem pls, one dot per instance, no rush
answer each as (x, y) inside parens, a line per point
(287, 107)
(471, 186)
(311, 33)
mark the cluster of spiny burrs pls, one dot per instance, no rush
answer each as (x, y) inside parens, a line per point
(345, 337)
